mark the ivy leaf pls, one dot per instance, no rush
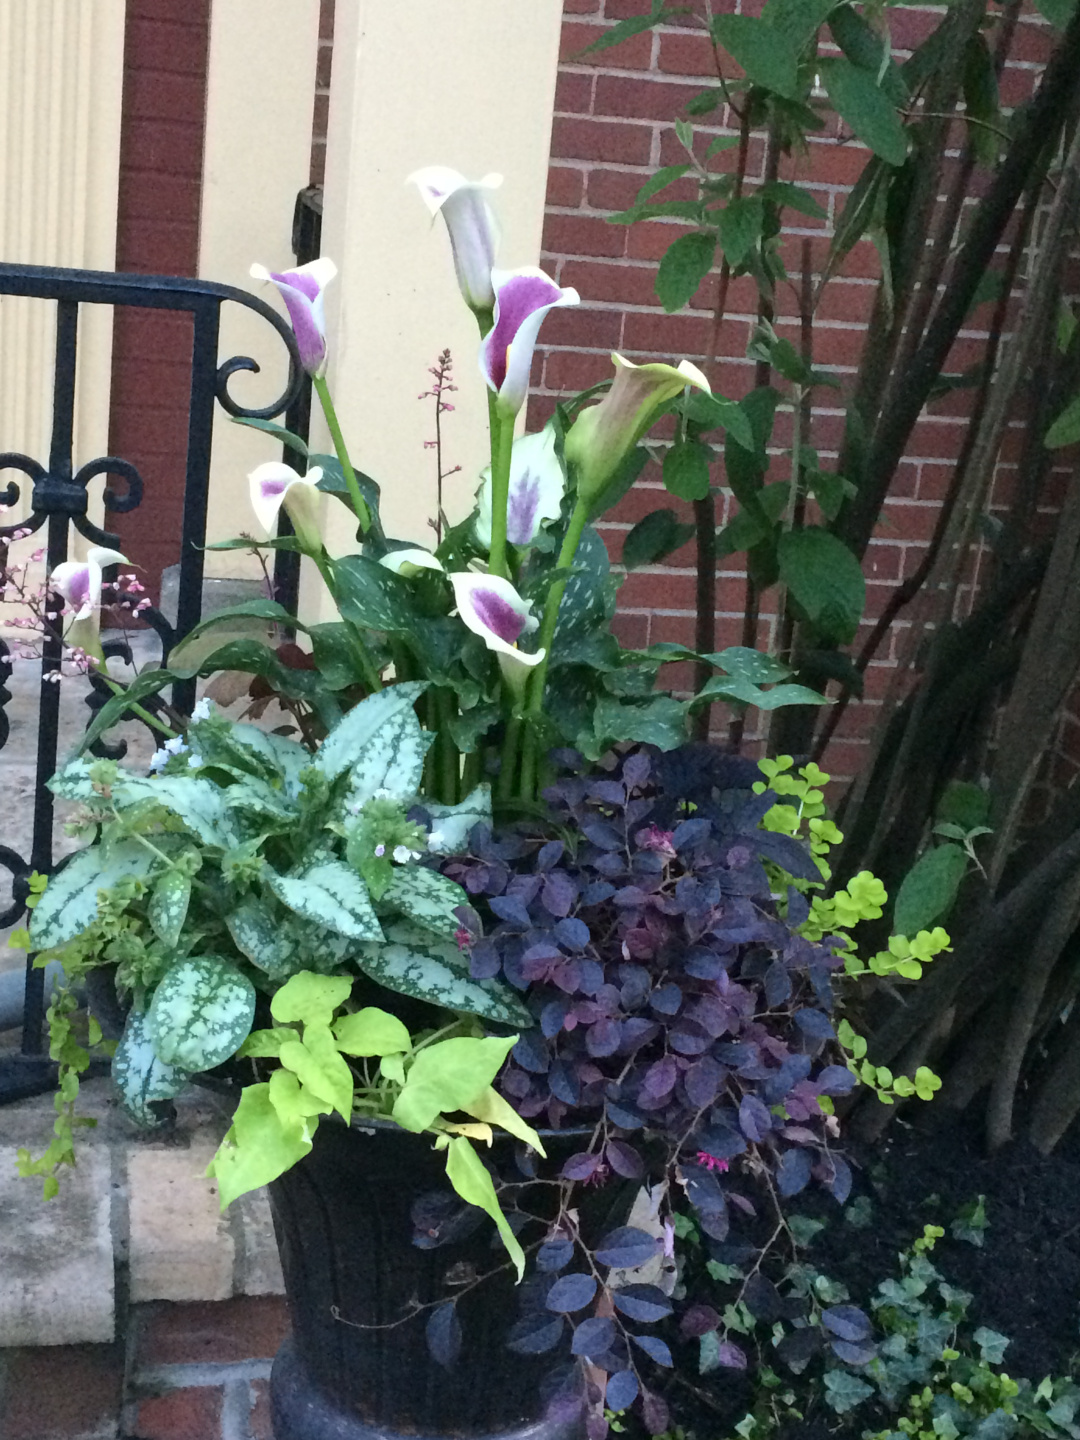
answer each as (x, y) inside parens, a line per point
(768, 56)
(684, 267)
(843, 1391)
(863, 104)
(929, 889)
(686, 470)
(825, 580)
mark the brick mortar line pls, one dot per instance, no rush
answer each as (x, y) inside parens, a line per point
(197, 1374)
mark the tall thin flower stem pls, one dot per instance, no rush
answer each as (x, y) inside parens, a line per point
(502, 449)
(368, 668)
(359, 504)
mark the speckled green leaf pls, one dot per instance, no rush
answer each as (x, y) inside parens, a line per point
(367, 739)
(414, 962)
(198, 803)
(168, 906)
(426, 897)
(69, 903)
(330, 894)
(285, 756)
(201, 1013)
(72, 782)
(258, 937)
(589, 597)
(451, 824)
(142, 1079)
(255, 797)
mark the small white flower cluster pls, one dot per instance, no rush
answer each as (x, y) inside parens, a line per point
(401, 854)
(160, 758)
(204, 709)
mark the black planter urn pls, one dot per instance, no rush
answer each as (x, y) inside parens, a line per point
(344, 1230)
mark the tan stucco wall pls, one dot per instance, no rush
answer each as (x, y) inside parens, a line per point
(468, 84)
(260, 97)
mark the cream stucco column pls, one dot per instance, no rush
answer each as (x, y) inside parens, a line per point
(469, 84)
(260, 98)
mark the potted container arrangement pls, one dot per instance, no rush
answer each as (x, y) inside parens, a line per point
(481, 943)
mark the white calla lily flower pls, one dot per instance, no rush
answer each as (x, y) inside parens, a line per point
(470, 222)
(537, 486)
(276, 484)
(410, 562)
(80, 581)
(493, 609)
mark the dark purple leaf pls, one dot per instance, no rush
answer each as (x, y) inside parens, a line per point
(443, 1334)
(791, 855)
(777, 984)
(666, 1000)
(531, 1053)
(626, 1248)
(550, 854)
(622, 1389)
(835, 1080)
(721, 1142)
(838, 1181)
(608, 792)
(558, 894)
(483, 960)
(510, 909)
(571, 1292)
(702, 1081)
(644, 1303)
(798, 1348)
(704, 964)
(613, 866)
(554, 1255)
(698, 1320)
(690, 833)
(626, 1117)
(594, 1336)
(793, 1172)
(536, 1334)
(636, 1032)
(597, 892)
(572, 933)
(660, 1077)
(755, 1120)
(814, 1024)
(846, 1322)
(564, 1084)
(596, 1426)
(689, 1038)
(655, 1348)
(602, 835)
(440, 1218)
(603, 1038)
(702, 1189)
(779, 1082)
(636, 771)
(655, 1413)
(624, 1160)
(580, 1166)
(763, 1299)
(853, 1354)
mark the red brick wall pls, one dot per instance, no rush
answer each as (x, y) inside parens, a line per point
(161, 154)
(613, 125)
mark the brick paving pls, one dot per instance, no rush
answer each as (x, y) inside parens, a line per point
(181, 1372)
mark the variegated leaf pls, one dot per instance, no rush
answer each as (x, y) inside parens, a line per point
(285, 756)
(69, 904)
(451, 824)
(349, 743)
(142, 1079)
(198, 803)
(72, 782)
(260, 939)
(168, 906)
(426, 897)
(255, 797)
(414, 962)
(330, 894)
(201, 1013)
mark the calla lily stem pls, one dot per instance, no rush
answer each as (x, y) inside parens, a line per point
(359, 504)
(367, 665)
(502, 450)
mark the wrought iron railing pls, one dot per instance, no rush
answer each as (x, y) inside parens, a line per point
(59, 501)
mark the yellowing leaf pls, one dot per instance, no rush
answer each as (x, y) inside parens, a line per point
(317, 1062)
(258, 1147)
(311, 998)
(489, 1105)
(372, 1032)
(449, 1076)
(465, 1171)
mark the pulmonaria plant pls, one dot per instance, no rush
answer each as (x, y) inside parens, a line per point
(685, 1035)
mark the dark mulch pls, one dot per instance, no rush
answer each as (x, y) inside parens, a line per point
(1025, 1278)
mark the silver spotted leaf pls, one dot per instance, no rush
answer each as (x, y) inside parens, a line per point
(329, 893)
(168, 906)
(414, 962)
(426, 897)
(143, 1079)
(368, 736)
(201, 1013)
(69, 904)
(259, 938)
(452, 824)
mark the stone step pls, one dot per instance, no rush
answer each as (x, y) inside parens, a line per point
(136, 1206)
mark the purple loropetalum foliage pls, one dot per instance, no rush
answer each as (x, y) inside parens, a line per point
(684, 1028)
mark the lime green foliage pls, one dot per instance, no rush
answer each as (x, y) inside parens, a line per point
(416, 1082)
(801, 814)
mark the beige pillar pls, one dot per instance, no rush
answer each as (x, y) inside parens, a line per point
(61, 80)
(469, 84)
(260, 98)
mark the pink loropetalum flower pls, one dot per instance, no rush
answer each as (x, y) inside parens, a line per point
(522, 299)
(275, 484)
(653, 838)
(463, 937)
(537, 484)
(710, 1162)
(302, 290)
(492, 609)
(470, 222)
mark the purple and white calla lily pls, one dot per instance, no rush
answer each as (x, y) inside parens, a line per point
(522, 299)
(410, 562)
(537, 486)
(492, 609)
(80, 581)
(275, 484)
(302, 290)
(604, 434)
(470, 222)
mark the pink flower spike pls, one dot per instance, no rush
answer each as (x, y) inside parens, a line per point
(710, 1162)
(522, 299)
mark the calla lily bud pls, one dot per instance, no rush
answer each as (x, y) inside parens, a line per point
(537, 485)
(493, 609)
(275, 484)
(522, 299)
(410, 562)
(80, 582)
(302, 290)
(604, 434)
(474, 235)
